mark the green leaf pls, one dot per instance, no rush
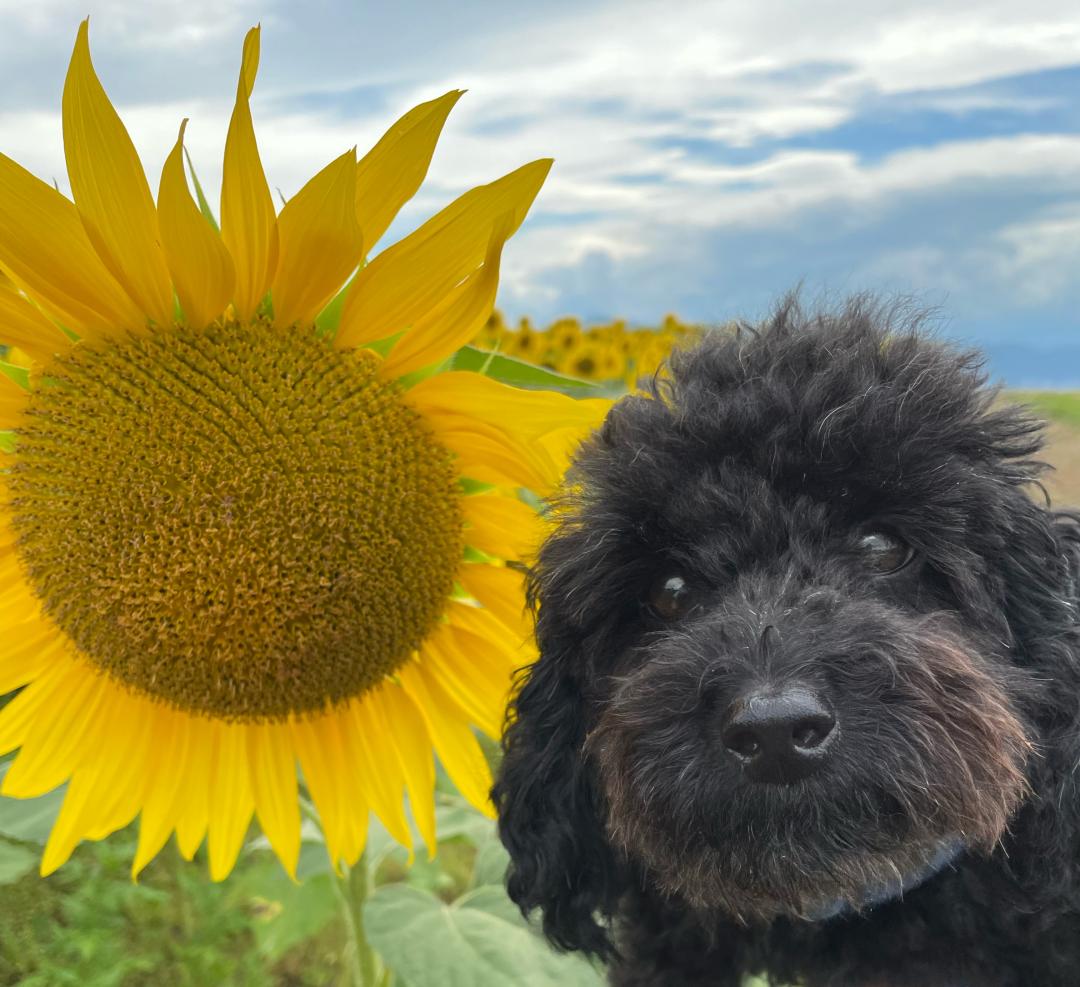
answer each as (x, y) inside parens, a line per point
(286, 912)
(454, 817)
(510, 371)
(475, 942)
(204, 206)
(29, 820)
(7, 441)
(20, 375)
(491, 864)
(15, 861)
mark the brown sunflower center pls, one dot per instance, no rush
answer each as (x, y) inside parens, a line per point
(242, 522)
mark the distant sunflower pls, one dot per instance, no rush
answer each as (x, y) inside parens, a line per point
(232, 541)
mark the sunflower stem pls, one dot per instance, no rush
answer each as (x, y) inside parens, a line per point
(354, 886)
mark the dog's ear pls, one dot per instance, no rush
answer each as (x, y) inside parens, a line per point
(549, 817)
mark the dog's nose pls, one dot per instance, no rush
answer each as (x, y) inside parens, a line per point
(779, 736)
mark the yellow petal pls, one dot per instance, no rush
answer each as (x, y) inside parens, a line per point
(195, 811)
(110, 189)
(524, 414)
(379, 775)
(23, 325)
(471, 671)
(454, 741)
(56, 740)
(231, 801)
(103, 795)
(410, 278)
(502, 526)
(320, 243)
(123, 783)
(490, 456)
(502, 591)
(478, 629)
(17, 599)
(409, 733)
(29, 649)
(354, 834)
(273, 783)
(248, 223)
(201, 267)
(391, 172)
(46, 252)
(19, 715)
(457, 318)
(13, 398)
(324, 763)
(166, 789)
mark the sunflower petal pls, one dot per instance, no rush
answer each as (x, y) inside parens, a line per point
(273, 783)
(46, 252)
(110, 190)
(380, 781)
(409, 733)
(319, 749)
(457, 318)
(231, 801)
(391, 172)
(454, 741)
(23, 325)
(56, 740)
(248, 223)
(195, 813)
(501, 590)
(320, 242)
(478, 629)
(490, 456)
(19, 715)
(502, 526)
(473, 672)
(524, 414)
(166, 790)
(13, 400)
(201, 267)
(103, 794)
(126, 776)
(410, 278)
(35, 645)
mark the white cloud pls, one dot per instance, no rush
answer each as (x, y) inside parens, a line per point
(667, 124)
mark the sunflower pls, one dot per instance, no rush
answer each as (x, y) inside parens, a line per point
(248, 524)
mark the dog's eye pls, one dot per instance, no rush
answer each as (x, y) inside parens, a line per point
(885, 553)
(671, 596)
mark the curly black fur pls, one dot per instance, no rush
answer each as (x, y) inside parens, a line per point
(752, 470)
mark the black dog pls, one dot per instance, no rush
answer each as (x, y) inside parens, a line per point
(808, 700)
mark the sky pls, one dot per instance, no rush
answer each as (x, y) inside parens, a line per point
(709, 156)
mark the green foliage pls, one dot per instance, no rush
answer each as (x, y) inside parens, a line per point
(1062, 406)
(478, 940)
(15, 861)
(519, 373)
(18, 374)
(28, 821)
(442, 921)
(91, 926)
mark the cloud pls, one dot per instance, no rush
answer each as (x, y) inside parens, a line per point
(707, 157)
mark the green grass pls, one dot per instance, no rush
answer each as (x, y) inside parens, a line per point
(1062, 406)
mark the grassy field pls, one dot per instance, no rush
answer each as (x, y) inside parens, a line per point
(1061, 409)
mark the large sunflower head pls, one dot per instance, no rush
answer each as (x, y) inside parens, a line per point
(248, 521)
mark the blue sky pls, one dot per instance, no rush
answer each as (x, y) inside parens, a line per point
(709, 156)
